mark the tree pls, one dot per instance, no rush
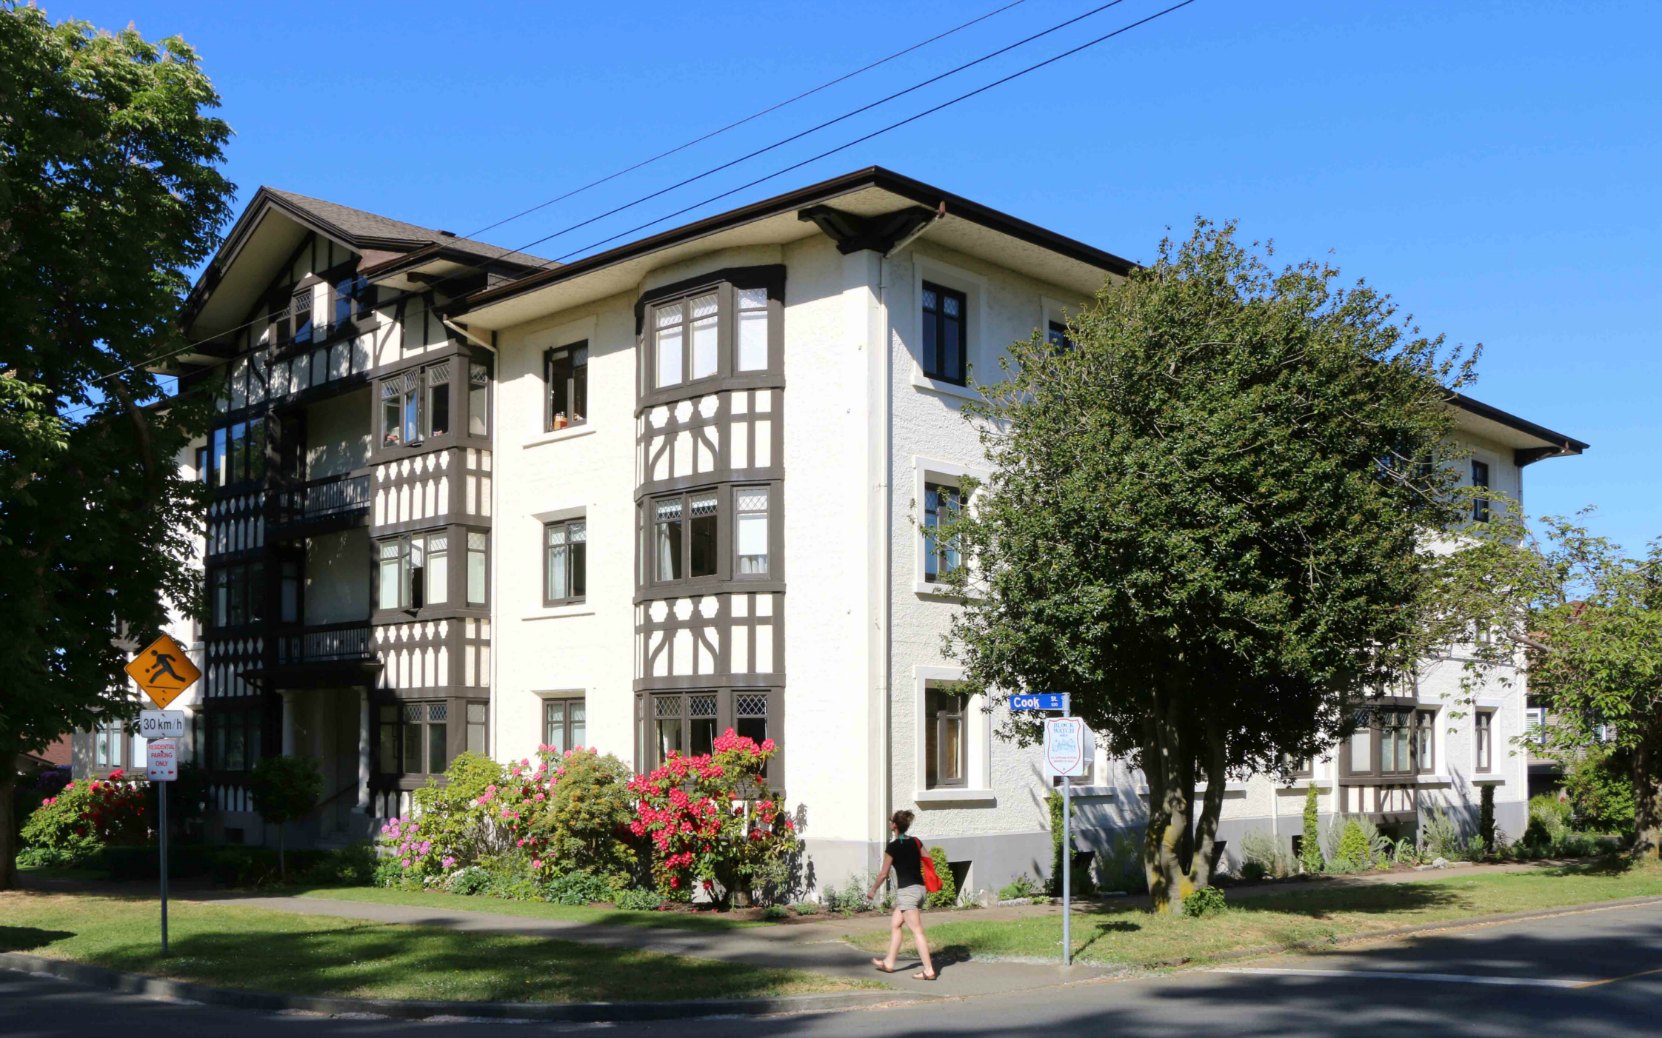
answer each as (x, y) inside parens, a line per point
(1587, 621)
(1206, 519)
(284, 790)
(109, 195)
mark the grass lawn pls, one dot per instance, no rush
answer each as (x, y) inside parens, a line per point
(240, 947)
(1300, 917)
(605, 915)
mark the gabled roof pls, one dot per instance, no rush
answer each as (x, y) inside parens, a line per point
(372, 229)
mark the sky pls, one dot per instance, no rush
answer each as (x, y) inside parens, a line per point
(1493, 165)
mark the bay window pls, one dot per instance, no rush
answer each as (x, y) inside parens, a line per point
(719, 326)
(414, 738)
(413, 571)
(750, 532)
(688, 723)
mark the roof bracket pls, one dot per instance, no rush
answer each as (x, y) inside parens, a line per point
(879, 233)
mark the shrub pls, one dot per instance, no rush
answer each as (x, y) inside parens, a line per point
(1262, 855)
(1310, 848)
(1204, 902)
(774, 913)
(1599, 785)
(807, 908)
(1354, 849)
(86, 816)
(351, 866)
(469, 880)
(452, 824)
(1440, 834)
(850, 899)
(711, 823)
(284, 790)
(572, 812)
(579, 888)
(1022, 888)
(1080, 881)
(1119, 866)
(514, 877)
(947, 896)
(1549, 822)
(1486, 820)
(637, 900)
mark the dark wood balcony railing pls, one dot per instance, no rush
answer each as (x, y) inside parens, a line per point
(325, 643)
(324, 498)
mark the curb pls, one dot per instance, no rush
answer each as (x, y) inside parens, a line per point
(574, 1012)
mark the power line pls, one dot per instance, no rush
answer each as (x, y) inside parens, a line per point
(470, 268)
(747, 119)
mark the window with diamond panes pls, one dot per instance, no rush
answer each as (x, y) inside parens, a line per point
(945, 334)
(478, 398)
(750, 532)
(750, 715)
(752, 351)
(565, 562)
(685, 539)
(478, 544)
(564, 724)
(300, 314)
(686, 340)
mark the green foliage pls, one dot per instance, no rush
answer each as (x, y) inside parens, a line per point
(1119, 866)
(1486, 820)
(111, 196)
(635, 899)
(579, 888)
(1440, 835)
(1022, 888)
(947, 896)
(1135, 542)
(1354, 851)
(1204, 902)
(1549, 821)
(807, 908)
(1310, 848)
(285, 789)
(850, 898)
(1599, 783)
(86, 816)
(585, 824)
(469, 879)
(774, 913)
(1263, 856)
(1081, 882)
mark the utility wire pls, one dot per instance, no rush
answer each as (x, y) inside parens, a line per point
(747, 119)
(771, 176)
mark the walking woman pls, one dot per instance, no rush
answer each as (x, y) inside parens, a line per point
(905, 856)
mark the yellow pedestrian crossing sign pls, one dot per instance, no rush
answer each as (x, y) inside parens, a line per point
(163, 670)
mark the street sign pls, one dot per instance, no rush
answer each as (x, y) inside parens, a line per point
(163, 670)
(1067, 746)
(1057, 701)
(162, 724)
(162, 762)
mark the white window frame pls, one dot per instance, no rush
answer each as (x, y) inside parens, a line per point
(974, 288)
(977, 789)
(926, 471)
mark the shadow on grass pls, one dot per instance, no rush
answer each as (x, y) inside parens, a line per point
(27, 938)
(380, 961)
(1315, 902)
(587, 915)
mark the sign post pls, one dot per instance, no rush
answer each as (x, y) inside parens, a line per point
(1068, 752)
(163, 670)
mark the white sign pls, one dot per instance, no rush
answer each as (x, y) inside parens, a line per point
(162, 762)
(162, 724)
(1068, 746)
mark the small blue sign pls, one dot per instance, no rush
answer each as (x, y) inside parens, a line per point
(1040, 701)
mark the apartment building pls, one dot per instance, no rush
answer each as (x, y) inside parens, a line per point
(465, 500)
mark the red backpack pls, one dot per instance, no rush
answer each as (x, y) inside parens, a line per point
(931, 878)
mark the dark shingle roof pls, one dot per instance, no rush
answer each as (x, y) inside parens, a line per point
(361, 226)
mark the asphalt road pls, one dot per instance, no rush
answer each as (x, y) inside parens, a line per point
(1589, 973)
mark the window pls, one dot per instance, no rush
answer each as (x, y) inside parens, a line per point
(1057, 336)
(568, 386)
(477, 544)
(1397, 742)
(686, 340)
(940, 555)
(945, 739)
(352, 296)
(752, 352)
(684, 539)
(1535, 722)
(564, 724)
(689, 722)
(204, 471)
(233, 738)
(238, 593)
(1484, 720)
(945, 333)
(415, 404)
(413, 571)
(413, 738)
(477, 713)
(750, 532)
(300, 315)
(478, 398)
(107, 745)
(1480, 480)
(237, 454)
(565, 561)
(288, 599)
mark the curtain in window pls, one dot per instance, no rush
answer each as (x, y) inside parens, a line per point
(668, 539)
(751, 532)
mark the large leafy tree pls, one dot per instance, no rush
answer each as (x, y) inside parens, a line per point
(1586, 619)
(109, 194)
(1207, 521)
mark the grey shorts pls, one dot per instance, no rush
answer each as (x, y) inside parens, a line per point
(906, 898)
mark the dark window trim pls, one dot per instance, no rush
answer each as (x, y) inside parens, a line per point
(1421, 719)
(647, 755)
(1480, 479)
(725, 283)
(566, 697)
(459, 357)
(931, 369)
(571, 390)
(400, 768)
(1483, 740)
(726, 541)
(578, 582)
(454, 603)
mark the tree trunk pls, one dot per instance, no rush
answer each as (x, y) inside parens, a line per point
(1170, 784)
(8, 824)
(1647, 803)
(1200, 869)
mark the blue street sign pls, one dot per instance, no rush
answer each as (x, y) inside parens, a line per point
(1040, 701)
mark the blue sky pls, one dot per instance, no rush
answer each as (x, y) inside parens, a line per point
(1493, 165)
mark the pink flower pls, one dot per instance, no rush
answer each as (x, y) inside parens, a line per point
(449, 863)
(536, 863)
(406, 863)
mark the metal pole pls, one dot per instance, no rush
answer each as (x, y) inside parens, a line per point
(161, 797)
(1067, 870)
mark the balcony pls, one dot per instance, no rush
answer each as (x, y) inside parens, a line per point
(325, 643)
(322, 506)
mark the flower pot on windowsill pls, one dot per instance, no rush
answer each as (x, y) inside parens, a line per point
(560, 421)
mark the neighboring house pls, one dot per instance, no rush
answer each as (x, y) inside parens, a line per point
(669, 489)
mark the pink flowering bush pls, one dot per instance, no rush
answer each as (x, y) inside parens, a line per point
(711, 824)
(87, 815)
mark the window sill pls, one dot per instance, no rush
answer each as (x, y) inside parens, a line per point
(1487, 779)
(570, 432)
(931, 589)
(984, 797)
(935, 385)
(557, 612)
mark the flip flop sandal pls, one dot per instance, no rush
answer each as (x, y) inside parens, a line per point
(877, 964)
(926, 976)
